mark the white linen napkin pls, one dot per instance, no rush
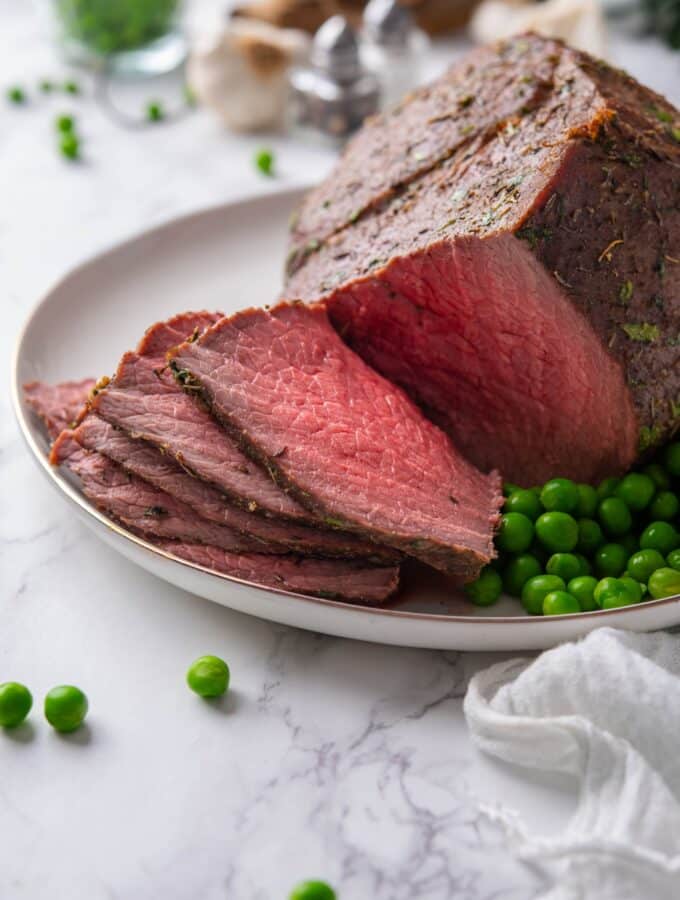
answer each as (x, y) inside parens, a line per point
(605, 710)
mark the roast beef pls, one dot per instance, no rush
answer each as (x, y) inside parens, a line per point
(58, 405)
(141, 506)
(147, 462)
(331, 578)
(144, 401)
(157, 516)
(345, 442)
(505, 244)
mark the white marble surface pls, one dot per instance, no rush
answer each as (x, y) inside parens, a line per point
(334, 759)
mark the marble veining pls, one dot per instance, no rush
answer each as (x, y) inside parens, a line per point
(334, 759)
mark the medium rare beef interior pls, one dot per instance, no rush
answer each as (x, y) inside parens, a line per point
(349, 445)
(142, 506)
(145, 509)
(505, 245)
(158, 469)
(144, 401)
(144, 404)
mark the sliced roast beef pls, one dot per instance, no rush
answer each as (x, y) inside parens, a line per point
(145, 402)
(505, 245)
(331, 578)
(58, 405)
(348, 444)
(147, 462)
(141, 506)
(158, 517)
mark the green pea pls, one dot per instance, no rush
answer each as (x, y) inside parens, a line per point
(587, 501)
(524, 502)
(665, 507)
(660, 536)
(71, 87)
(635, 588)
(584, 563)
(69, 146)
(560, 603)
(557, 531)
(674, 559)
(15, 703)
(536, 589)
(65, 708)
(658, 475)
(155, 111)
(610, 559)
(641, 564)
(560, 494)
(515, 533)
(264, 161)
(312, 890)
(671, 459)
(583, 588)
(617, 595)
(636, 490)
(664, 583)
(510, 488)
(65, 124)
(208, 676)
(590, 536)
(614, 516)
(518, 571)
(604, 584)
(606, 488)
(486, 590)
(566, 565)
(16, 95)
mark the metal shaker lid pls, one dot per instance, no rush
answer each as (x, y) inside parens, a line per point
(387, 23)
(335, 50)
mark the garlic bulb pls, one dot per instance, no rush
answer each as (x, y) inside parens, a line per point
(241, 73)
(578, 22)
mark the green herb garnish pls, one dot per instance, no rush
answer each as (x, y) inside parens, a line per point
(661, 114)
(626, 291)
(534, 234)
(71, 87)
(642, 331)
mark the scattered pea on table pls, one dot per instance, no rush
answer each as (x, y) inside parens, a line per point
(65, 708)
(313, 890)
(15, 703)
(208, 676)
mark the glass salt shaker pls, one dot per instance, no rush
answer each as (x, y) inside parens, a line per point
(393, 47)
(333, 96)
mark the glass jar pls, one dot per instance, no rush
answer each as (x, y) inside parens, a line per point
(125, 36)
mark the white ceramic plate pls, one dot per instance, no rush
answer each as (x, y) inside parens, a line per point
(228, 258)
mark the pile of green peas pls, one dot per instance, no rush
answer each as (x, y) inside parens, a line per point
(569, 548)
(109, 26)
